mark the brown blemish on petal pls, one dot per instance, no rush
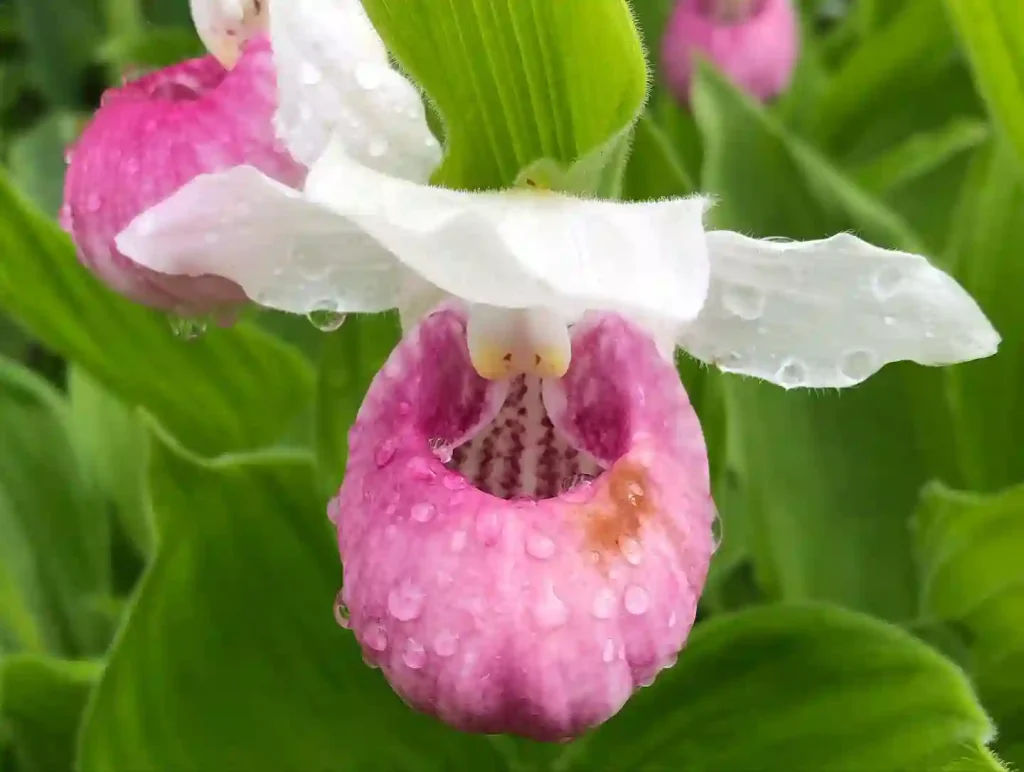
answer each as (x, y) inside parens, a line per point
(612, 518)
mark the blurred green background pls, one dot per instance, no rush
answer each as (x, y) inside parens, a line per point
(166, 568)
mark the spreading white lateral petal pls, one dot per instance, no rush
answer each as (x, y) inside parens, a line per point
(225, 25)
(830, 313)
(284, 251)
(335, 79)
(527, 249)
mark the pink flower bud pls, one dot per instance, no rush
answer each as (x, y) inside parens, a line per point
(754, 42)
(147, 139)
(521, 556)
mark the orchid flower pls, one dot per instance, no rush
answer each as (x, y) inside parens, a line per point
(154, 134)
(754, 42)
(526, 521)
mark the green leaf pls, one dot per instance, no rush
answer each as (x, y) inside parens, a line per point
(231, 658)
(654, 170)
(55, 547)
(111, 443)
(233, 389)
(42, 700)
(59, 50)
(897, 59)
(993, 34)
(829, 480)
(36, 160)
(970, 547)
(786, 689)
(536, 79)
(920, 154)
(352, 357)
(987, 396)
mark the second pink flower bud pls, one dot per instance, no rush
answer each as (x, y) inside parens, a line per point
(755, 43)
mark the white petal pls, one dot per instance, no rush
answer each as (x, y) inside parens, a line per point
(334, 78)
(523, 249)
(224, 25)
(831, 312)
(285, 252)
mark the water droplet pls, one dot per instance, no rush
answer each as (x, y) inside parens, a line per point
(604, 603)
(551, 612)
(858, 364)
(419, 469)
(459, 539)
(717, 533)
(423, 512)
(93, 202)
(368, 76)
(414, 655)
(405, 602)
(375, 637)
(792, 373)
(637, 600)
(745, 302)
(385, 453)
(886, 282)
(929, 334)
(378, 147)
(325, 319)
(341, 612)
(488, 527)
(334, 511)
(672, 620)
(309, 74)
(404, 408)
(187, 328)
(210, 238)
(442, 449)
(445, 643)
(540, 546)
(454, 482)
(631, 551)
(608, 654)
(576, 481)
(890, 321)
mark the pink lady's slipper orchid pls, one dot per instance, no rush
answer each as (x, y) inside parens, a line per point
(152, 135)
(754, 42)
(525, 523)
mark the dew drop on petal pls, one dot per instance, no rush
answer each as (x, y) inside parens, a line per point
(423, 512)
(890, 321)
(419, 469)
(405, 602)
(886, 282)
(608, 653)
(539, 546)
(637, 600)
(488, 527)
(551, 612)
(341, 612)
(325, 319)
(459, 539)
(717, 533)
(445, 643)
(378, 147)
(672, 620)
(631, 551)
(745, 302)
(368, 76)
(375, 637)
(187, 328)
(604, 603)
(442, 449)
(858, 364)
(309, 74)
(454, 482)
(385, 453)
(413, 654)
(792, 373)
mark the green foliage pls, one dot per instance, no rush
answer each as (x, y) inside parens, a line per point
(175, 491)
(537, 80)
